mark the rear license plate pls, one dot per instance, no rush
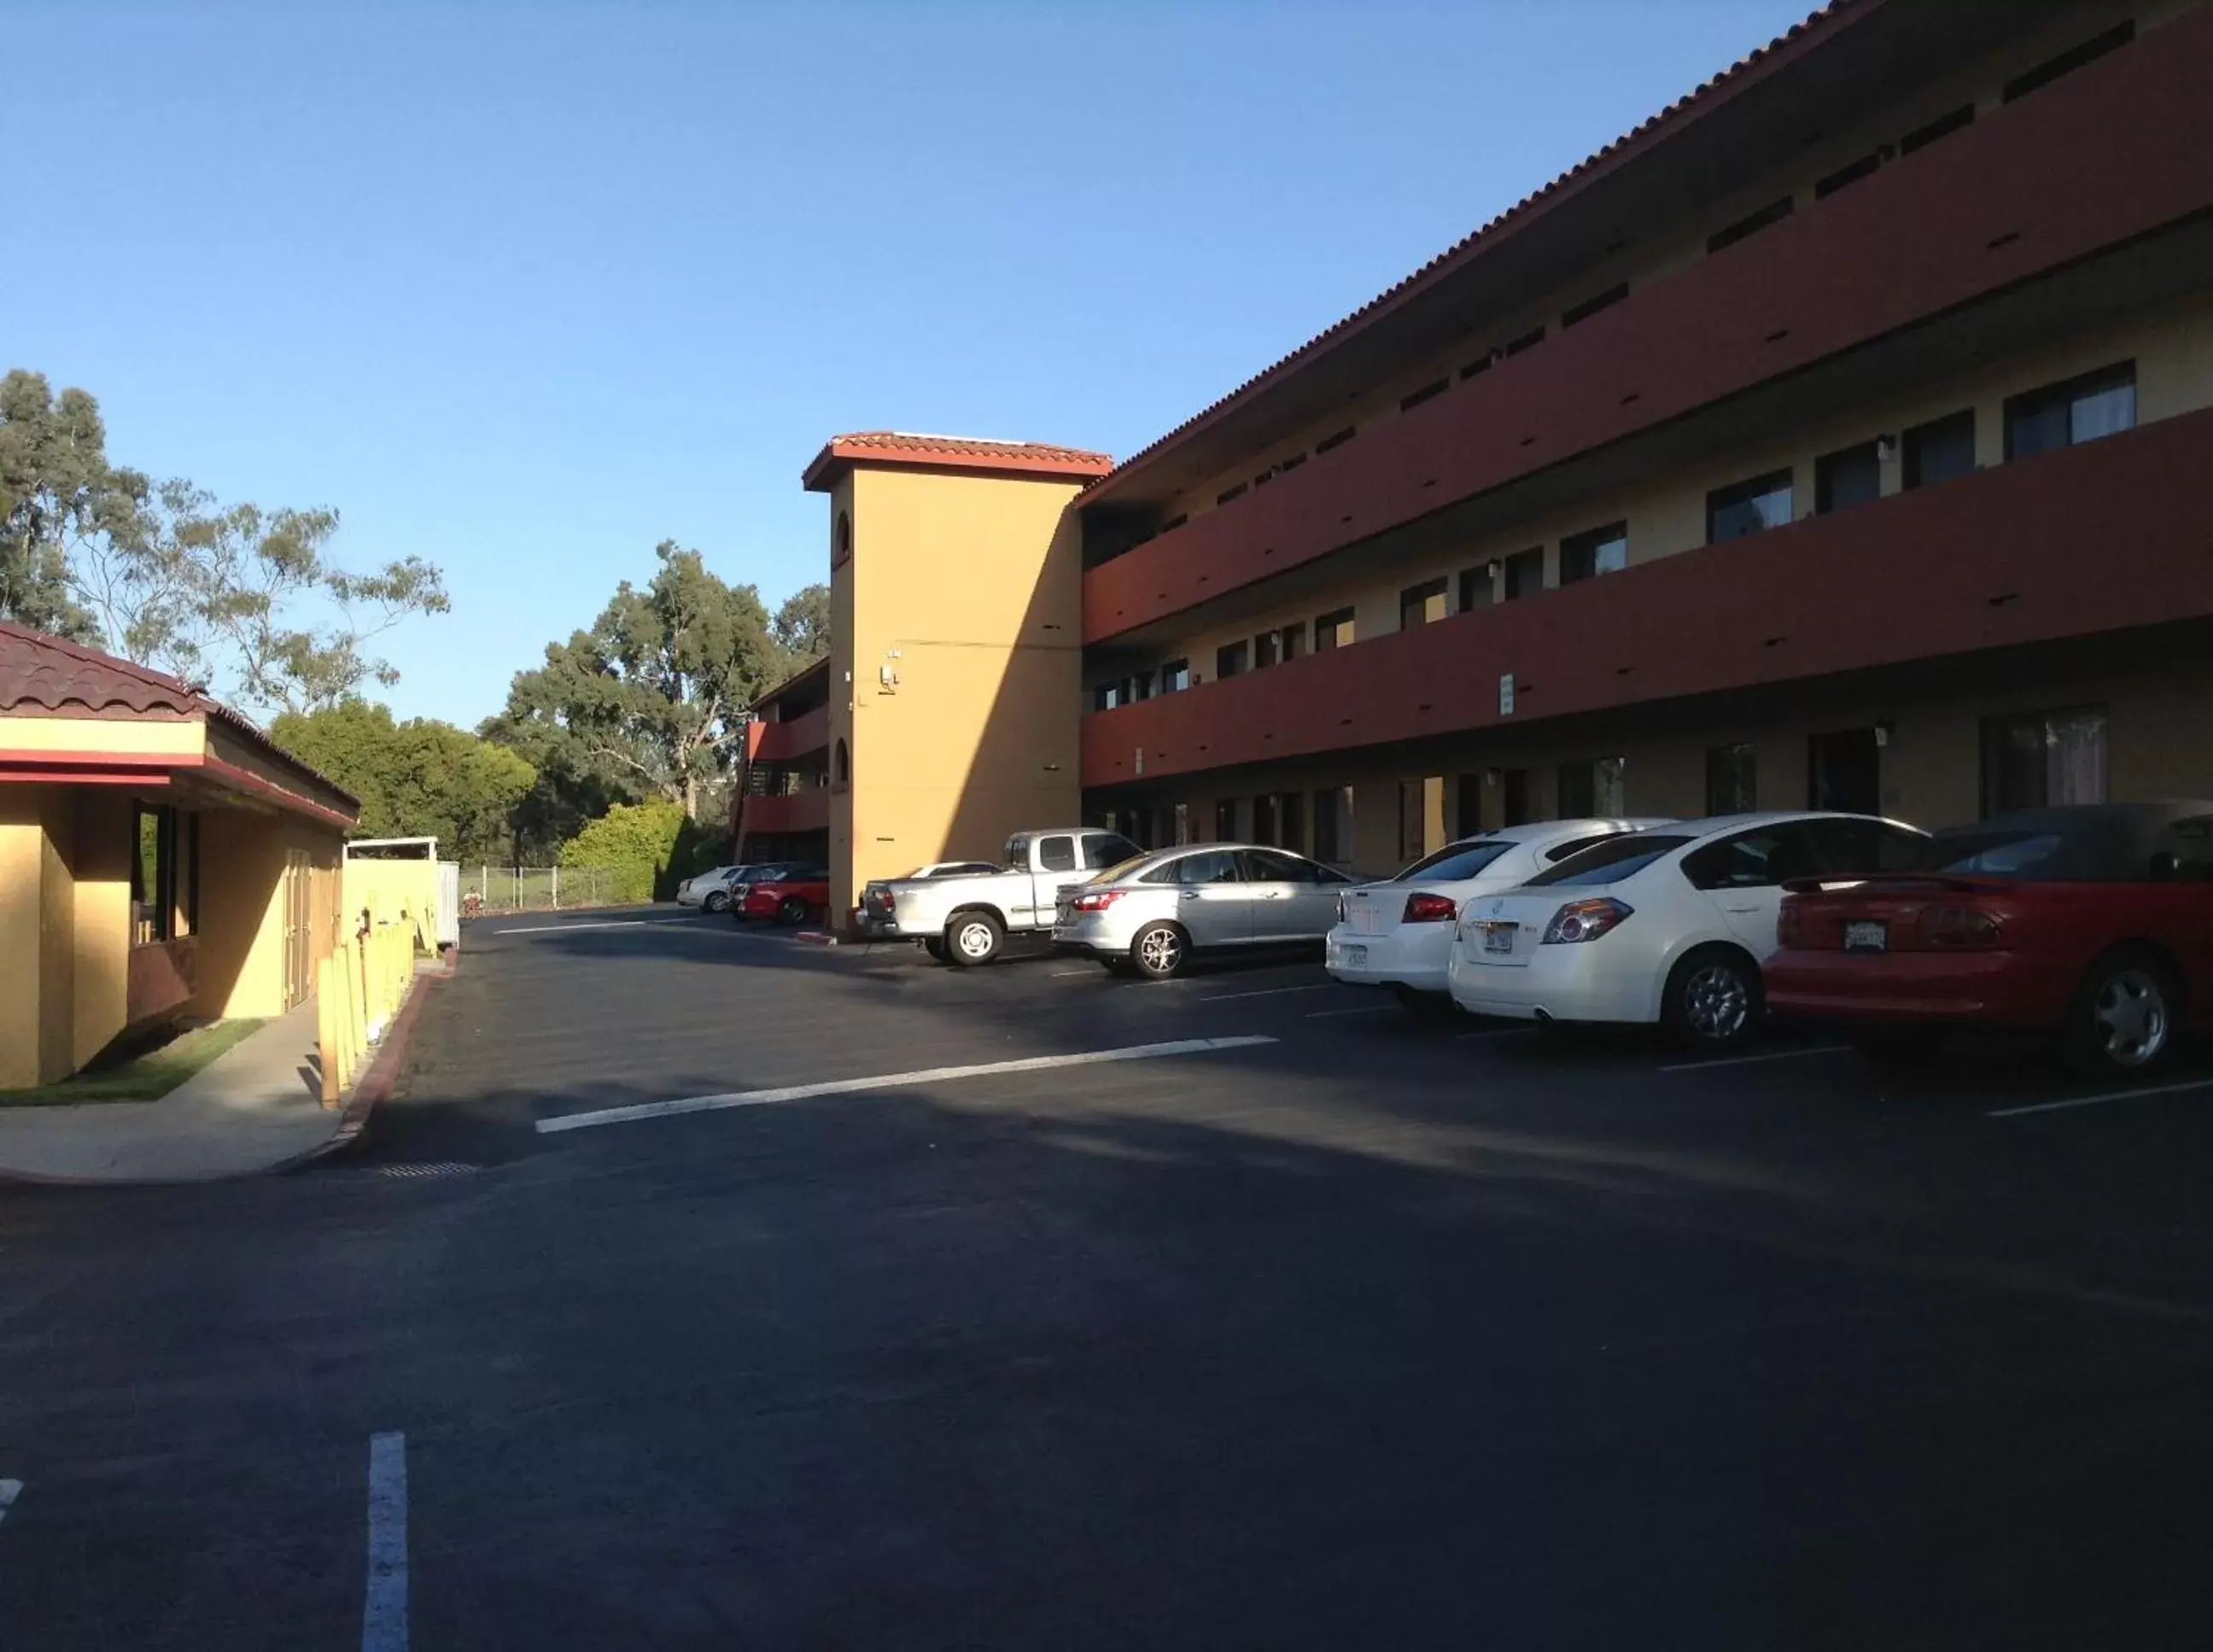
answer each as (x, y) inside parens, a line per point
(1869, 935)
(1498, 937)
(1355, 957)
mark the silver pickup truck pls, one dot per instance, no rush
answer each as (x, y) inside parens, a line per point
(967, 919)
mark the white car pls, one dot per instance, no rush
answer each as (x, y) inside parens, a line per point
(1399, 933)
(709, 889)
(1668, 926)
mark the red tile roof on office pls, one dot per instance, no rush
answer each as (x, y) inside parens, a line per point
(1792, 42)
(954, 452)
(43, 673)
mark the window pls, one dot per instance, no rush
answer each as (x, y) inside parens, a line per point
(1265, 867)
(1332, 824)
(1264, 819)
(1525, 573)
(1480, 364)
(1866, 167)
(1333, 630)
(1291, 820)
(153, 877)
(1420, 604)
(841, 764)
(1577, 845)
(1592, 306)
(1751, 225)
(1225, 820)
(1228, 493)
(1612, 861)
(1291, 464)
(1529, 340)
(1943, 127)
(1141, 686)
(1421, 817)
(1853, 848)
(1747, 507)
(1732, 780)
(1337, 439)
(1427, 393)
(1057, 854)
(1519, 806)
(1601, 550)
(1467, 811)
(1295, 640)
(2184, 854)
(2037, 759)
(1266, 650)
(841, 541)
(1478, 589)
(1104, 851)
(1208, 866)
(1180, 832)
(1105, 697)
(2079, 410)
(2067, 62)
(1758, 859)
(1455, 862)
(1229, 659)
(1849, 477)
(1175, 676)
(1940, 450)
(1591, 787)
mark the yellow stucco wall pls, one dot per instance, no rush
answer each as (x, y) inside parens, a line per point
(966, 588)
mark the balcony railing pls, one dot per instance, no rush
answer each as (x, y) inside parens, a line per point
(2083, 165)
(2104, 537)
(781, 742)
(798, 811)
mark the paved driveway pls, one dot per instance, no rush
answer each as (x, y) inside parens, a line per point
(1297, 1323)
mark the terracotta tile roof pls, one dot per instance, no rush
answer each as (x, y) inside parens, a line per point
(43, 674)
(957, 452)
(1798, 38)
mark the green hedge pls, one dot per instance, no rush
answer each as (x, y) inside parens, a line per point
(635, 842)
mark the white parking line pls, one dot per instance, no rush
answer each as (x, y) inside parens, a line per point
(1746, 1061)
(889, 1081)
(2101, 1100)
(1064, 974)
(1357, 1010)
(606, 924)
(1271, 993)
(9, 1490)
(384, 1608)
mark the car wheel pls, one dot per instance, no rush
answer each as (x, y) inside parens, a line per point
(973, 938)
(1713, 999)
(935, 946)
(1158, 951)
(715, 903)
(2123, 1018)
(793, 911)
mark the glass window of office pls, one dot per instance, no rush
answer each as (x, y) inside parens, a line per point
(1748, 507)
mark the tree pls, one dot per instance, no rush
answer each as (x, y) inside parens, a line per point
(801, 625)
(647, 704)
(171, 577)
(420, 779)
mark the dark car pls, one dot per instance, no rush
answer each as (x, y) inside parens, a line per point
(2093, 922)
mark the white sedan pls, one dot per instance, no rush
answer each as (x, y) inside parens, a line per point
(1669, 926)
(1399, 933)
(709, 889)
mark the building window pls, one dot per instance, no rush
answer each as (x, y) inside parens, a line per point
(1267, 648)
(1601, 550)
(1333, 630)
(1477, 588)
(841, 764)
(1940, 450)
(1225, 820)
(1592, 306)
(1179, 831)
(153, 877)
(1332, 824)
(1943, 127)
(1591, 787)
(2081, 409)
(1228, 493)
(1467, 805)
(2041, 759)
(1751, 225)
(1291, 822)
(1294, 640)
(841, 541)
(1525, 573)
(1175, 676)
(1481, 364)
(1229, 659)
(1421, 818)
(1866, 167)
(1291, 464)
(1264, 820)
(1418, 605)
(1336, 439)
(1141, 686)
(1427, 393)
(1732, 780)
(1105, 697)
(1529, 340)
(1750, 506)
(1849, 477)
(1518, 797)
(2067, 62)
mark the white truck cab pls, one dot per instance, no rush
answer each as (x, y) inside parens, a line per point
(966, 920)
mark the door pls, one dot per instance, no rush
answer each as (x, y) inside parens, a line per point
(1843, 771)
(299, 926)
(1290, 901)
(1057, 869)
(1214, 903)
(1743, 875)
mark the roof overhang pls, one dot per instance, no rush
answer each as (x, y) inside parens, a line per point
(899, 449)
(200, 777)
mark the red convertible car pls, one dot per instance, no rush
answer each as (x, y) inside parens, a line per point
(790, 897)
(2093, 921)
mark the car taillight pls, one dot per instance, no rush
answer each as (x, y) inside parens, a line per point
(1426, 908)
(1584, 920)
(1340, 910)
(1097, 900)
(1960, 928)
(1791, 926)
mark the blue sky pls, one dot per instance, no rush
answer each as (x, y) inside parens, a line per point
(526, 289)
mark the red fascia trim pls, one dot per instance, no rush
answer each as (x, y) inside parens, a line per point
(141, 778)
(152, 769)
(838, 457)
(247, 781)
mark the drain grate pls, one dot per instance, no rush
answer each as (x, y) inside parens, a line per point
(421, 1172)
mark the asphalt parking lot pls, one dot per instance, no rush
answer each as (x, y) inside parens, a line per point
(704, 1288)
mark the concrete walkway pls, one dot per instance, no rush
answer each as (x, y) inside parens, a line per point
(252, 1108)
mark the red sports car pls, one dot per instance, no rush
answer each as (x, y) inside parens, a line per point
(2093, 922)
(790, 897)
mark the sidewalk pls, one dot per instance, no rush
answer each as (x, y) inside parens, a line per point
(253, 1107)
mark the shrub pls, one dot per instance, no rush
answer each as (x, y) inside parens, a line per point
(635, 842)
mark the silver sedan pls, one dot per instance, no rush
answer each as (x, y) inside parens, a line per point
(1149, 915)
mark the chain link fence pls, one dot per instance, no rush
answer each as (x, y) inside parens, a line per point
(486, 890)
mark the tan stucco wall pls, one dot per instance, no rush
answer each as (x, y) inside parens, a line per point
(968, 588)
(98, 868)
(244, 910)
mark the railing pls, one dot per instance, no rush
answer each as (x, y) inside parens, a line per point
(359, 989)
(487, 889)
(780, 742)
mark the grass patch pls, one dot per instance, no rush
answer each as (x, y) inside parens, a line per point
(142, 1074)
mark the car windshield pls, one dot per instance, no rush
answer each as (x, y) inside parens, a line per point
(1456, 861)
(1612, 861)
(2028, 855)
